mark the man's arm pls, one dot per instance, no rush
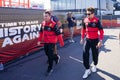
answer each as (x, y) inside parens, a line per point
(101, 34)
(59, 35)
(100, 30)
(83, 31)
(40, 38)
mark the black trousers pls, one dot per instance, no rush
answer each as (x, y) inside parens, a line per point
(49, 51)
(90, 43)
(55, 53)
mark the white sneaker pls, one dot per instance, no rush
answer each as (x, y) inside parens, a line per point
(94, 68)
(58, 60)
(72, 41)
(49, 72)
(1, 67)
(87, 73)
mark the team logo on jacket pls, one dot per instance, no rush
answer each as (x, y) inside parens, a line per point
(94, 23)
(50, 25)
(94, 20)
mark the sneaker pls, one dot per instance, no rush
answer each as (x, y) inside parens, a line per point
(58, 60)
(1, 67)
(94, 69)
(72, 41)
(49, 71)
(87, 73)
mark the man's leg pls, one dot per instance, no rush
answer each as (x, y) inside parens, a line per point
(50, 57)
(55, 50)
(45, 49)
(56, 57)
(86, 54)
(95, 54)
(86, 58)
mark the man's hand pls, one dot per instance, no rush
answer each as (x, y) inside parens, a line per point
(99, 44)
(39, 43)
(62, 44)
(61, 30)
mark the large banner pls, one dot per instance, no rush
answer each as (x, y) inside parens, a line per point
(19, 31)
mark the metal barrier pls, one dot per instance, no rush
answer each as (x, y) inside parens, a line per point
(111, 21)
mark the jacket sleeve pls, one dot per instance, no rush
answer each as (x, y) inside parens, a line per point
(60, 39)
(56, 29)
(100, 30)
(83, 30)
(40, 38)
(59, 35)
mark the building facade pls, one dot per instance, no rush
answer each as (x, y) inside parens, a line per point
(81, 4)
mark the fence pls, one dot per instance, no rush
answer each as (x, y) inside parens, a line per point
(19, 30)
(110, 21)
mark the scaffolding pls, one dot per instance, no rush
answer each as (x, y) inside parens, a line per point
(15, 3)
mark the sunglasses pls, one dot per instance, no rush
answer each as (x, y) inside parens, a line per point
(89, 14)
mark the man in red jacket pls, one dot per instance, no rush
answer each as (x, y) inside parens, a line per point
(49, 35)
(59, 24)
(91, 27)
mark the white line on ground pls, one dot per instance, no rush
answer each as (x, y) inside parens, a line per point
(73, 58)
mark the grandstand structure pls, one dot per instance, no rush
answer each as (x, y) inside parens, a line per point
(15, 3)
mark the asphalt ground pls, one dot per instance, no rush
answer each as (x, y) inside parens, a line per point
(71, 67)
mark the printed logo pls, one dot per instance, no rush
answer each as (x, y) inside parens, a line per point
(50, 25)
(94, 20)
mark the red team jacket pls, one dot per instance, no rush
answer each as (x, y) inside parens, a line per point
(50, 33)
(91, 27)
